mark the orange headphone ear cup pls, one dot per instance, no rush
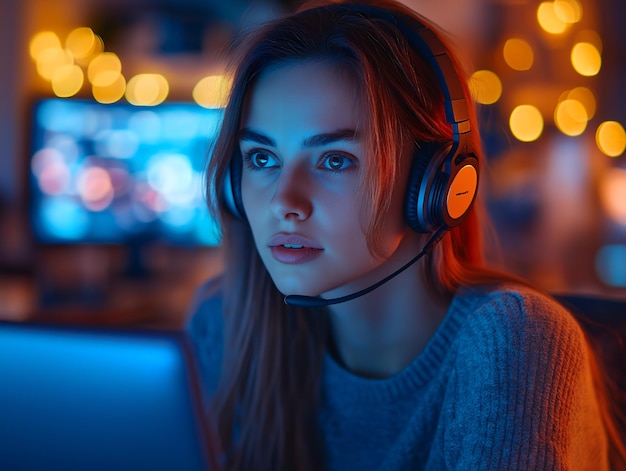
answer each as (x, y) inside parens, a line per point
(460, 190)
(441, 187)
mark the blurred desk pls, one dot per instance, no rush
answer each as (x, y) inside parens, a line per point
(158, 303)
(18, 297)
(69, 287)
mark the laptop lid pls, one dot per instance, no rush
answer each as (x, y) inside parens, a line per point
(87, 399)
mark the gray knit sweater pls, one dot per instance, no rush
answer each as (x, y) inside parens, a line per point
(503, 384)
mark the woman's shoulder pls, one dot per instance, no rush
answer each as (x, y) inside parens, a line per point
(517, 315)
(512, 303)
(521, 359)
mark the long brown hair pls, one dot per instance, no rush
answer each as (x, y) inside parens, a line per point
(265, 406)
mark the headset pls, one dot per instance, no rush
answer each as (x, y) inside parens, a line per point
(443, 179)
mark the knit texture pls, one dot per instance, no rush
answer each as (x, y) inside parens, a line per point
(503, 384)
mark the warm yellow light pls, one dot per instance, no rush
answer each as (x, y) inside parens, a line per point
(110, 93)
(570, 116)
(98, 47)
(568, 11)
(42, 41)
(147, 89)
(613, 194)
(586, 97)
(526, 123)
(104, 69)
(589, 36)
(51, 59)
(611, 139)
(586, 59)
(485, 87)
(212, 91)
(81, 42)
(518, 54)
(548, 19)
(67, 81)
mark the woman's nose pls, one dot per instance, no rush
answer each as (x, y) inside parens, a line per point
(292, 199)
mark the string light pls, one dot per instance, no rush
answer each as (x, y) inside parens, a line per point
(81, 42)
(586, 59)
(485, 87)
(518, 54)
(570, 116)
(526, 123)
(611, 138)
(104, 69)
(147, 89)
(568, 11)
(549, 20)
(586, 98)
(67, 81)
(42, 41)
(212, 91)
(589, 36)
(51, 59)
(110, 93)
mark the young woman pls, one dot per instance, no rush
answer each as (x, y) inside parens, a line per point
(355, 325)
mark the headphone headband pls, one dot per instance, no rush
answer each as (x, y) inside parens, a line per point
(430, 47)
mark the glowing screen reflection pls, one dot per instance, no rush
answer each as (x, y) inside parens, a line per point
(111, 173)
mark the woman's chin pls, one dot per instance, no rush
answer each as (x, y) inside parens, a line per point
(297, 291)
(288, 288)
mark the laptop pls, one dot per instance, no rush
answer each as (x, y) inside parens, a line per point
(94, 399)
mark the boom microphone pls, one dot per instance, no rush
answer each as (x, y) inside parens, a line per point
(315, 301)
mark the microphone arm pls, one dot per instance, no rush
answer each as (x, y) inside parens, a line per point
(314, 301)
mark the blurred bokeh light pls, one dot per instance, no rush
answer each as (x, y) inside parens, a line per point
(81, 42)
(586, 59)
(104, 69)
(526, 123)
(110, 93)
(518, 54)
(613, 194)
(570, 116)
(147, 89)
(212, 91)
(611, 138)
(548, 18)
(485, 87)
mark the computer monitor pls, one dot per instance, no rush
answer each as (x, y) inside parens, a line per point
(114, 173)
(77, 399)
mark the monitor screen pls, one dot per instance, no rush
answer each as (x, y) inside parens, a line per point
(96, 399)
(112, 173)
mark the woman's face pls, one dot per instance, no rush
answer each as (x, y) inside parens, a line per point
(304, 154)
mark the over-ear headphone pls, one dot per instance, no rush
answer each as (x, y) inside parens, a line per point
(443, 181)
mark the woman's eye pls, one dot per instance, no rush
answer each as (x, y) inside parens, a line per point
(258, 160)
(337, 162)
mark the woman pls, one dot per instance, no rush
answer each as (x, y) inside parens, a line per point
(355, 325)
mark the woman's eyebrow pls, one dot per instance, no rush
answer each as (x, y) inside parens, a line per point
(247, 134)
(328, 138)
(317, 140)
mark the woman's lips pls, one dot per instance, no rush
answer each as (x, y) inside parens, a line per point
(294, 248)
(294, 256)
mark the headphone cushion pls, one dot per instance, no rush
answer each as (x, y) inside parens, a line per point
(414, 213)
